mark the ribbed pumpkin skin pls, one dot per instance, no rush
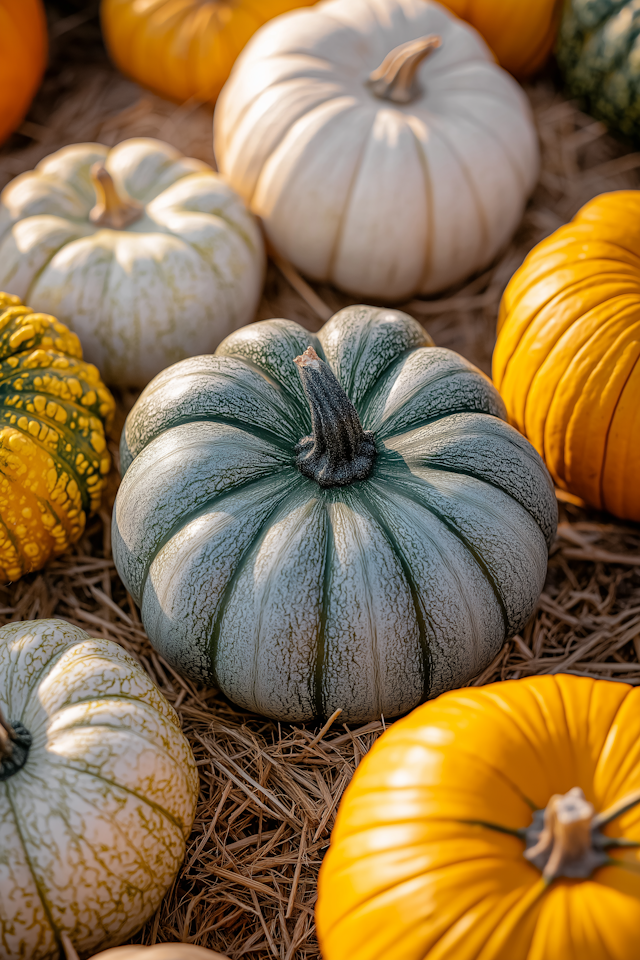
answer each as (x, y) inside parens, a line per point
(597, 51)
(184, 49)
(295, 599)
(23, 57)
(54, 409)
(169, 285)
(413, 873)
(376, 196)
(160, 951)
(521, 34)
(95, 823)
(567, 357)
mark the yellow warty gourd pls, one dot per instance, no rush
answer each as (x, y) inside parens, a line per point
(53, 451)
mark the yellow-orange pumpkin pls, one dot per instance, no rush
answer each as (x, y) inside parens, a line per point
(23, 57)
(520, 32)
(184, 49)
(494, 823)
(567, 360)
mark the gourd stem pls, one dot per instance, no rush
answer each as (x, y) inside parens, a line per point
(566, 845)
(395, 78)
(15, 741)
(7, 736)
(338, 451)
(111, 209)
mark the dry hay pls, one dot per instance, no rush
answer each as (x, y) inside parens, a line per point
(269, 792)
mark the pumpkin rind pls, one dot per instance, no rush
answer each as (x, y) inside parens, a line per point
(54, 410)
(94, 825)
(23, 58)
(520, 34)
(184, 51)
(455, 497)
(567, 359)
(376, 197)
(171, 284)
(424, 863)
(597, 53)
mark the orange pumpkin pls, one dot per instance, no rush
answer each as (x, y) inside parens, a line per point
(23, 57)
(494, 823)
(520, 32)
(567, 360)
(184, 49)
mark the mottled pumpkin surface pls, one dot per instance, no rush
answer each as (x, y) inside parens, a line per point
(53, 451)
(599, 55)
(297, 599)
(425, 862)
(94, 824)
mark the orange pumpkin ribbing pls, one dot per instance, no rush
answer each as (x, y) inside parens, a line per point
(184, 49)
(567, 359)
(520, 34)
(425, 862)
(23, 57)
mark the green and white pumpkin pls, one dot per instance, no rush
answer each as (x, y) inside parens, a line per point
(98, 789)
(361, 532)
(598, 53)
(147, 255)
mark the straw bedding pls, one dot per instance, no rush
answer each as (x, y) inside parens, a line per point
(269, 792)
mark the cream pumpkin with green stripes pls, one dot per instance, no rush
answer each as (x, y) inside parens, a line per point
(147, 255)
(98, 789)
(335, 521)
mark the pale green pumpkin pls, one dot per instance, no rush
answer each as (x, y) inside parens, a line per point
(98, 788)
(366, 556)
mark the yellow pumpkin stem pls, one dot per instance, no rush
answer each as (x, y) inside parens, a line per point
(111, 210)
(565, 844)
(395, 78)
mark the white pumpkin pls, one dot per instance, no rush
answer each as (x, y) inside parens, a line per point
(387, 182)
(97, 792)
(147, 255)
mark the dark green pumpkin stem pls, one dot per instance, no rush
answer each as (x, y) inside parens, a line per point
(339, 451)
(15, 741)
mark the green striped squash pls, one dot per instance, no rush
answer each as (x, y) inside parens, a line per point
(598, 51)
(357, 529)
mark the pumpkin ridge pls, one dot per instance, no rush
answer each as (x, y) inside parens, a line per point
(428, 192)
(318, 693)
(410, 495)
(120, 786)
(43, 901)
(335, 246)
(28, 693)
(281, 386)
(205, 508)
(490, 482)
(215, 628)
(385, 529)
(635, 366)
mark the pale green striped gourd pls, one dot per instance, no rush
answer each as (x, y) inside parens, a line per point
(598, 51)
(98, 789)
(368, 595)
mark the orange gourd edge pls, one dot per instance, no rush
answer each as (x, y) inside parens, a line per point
(567, 357)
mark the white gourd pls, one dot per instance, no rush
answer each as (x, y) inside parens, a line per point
(389, 182)
(149, 256)
(94, 816)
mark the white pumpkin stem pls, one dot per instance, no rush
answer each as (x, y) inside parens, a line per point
(111, 210)
(395, 78)
(339, 451)
(565, 844)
